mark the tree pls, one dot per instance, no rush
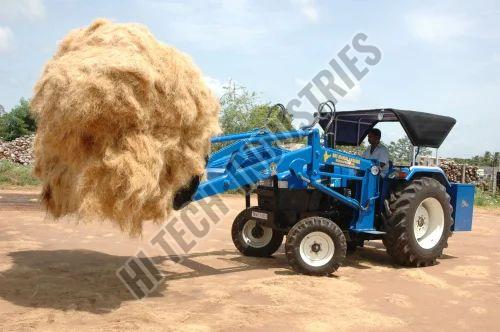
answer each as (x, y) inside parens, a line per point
(236, 103)
(18, 122)
(2, 110)
(401, 151)
(241, 111)
(486, 159)
(358, 150)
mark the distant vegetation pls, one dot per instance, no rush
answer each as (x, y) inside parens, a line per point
(401, 151)
(487, 159)
(12, 174)
(18, 122)
(241, 111)
(486, 199)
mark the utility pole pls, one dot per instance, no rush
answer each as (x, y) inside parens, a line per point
(494, 175)
(494, 178)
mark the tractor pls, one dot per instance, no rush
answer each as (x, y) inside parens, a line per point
(326, 201)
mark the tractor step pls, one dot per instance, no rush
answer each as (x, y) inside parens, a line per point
(371, 232)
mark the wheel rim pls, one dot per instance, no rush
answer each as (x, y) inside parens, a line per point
(428, 223)
(317, 248)
(256, 236)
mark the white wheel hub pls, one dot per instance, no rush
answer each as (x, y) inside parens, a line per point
(428, 223)
(317, 248)
(256, 236)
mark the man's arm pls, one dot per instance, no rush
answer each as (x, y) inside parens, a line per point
(383, 157)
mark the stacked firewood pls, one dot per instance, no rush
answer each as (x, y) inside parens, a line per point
(454, 172)
(19, 150)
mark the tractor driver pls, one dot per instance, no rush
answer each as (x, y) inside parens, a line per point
(377, 151)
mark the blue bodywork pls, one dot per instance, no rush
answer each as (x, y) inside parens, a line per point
(462, 200)
(256, 156)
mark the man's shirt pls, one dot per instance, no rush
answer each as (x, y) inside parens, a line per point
(381, 154)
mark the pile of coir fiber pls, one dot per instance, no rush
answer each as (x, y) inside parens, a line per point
(124, 122)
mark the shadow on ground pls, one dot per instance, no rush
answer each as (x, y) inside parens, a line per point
(65, 280)
(86, 280)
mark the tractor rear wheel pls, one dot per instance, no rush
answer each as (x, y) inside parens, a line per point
(315, 246)
(418, 223)
(252, 239)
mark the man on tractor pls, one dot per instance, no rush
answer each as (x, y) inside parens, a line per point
(377, 151)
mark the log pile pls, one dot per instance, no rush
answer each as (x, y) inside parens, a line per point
(454, 172)
(19, 150)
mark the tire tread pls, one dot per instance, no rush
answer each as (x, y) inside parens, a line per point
(396, 239)
(295, 236)
(266, 251)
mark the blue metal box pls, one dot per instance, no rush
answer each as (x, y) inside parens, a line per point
(462, 200)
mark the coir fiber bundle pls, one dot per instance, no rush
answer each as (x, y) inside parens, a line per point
(124, 122)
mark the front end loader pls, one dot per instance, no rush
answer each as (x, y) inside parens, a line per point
(326, 201)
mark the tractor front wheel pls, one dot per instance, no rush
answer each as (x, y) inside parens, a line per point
(418, 222)
(315, 246)
(252, 239)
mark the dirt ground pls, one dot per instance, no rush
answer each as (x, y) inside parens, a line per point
(62, 276)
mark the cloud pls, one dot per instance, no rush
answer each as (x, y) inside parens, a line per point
(5, 39)
(300, 82)
(437, 28)
(214, 25)
(216, 37)
(308, 9)
(215, 85)
(25, 9)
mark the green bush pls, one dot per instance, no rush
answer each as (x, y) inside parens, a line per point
(486, 199)
(18, 122)
(12, 174)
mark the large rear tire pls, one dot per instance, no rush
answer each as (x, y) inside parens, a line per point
(315, 246)
(418, 222)
(252, 239)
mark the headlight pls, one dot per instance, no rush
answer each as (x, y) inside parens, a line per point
(375, 170)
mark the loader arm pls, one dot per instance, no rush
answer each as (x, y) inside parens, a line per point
(253, 157)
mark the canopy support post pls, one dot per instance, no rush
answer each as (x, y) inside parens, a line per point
(412, 155)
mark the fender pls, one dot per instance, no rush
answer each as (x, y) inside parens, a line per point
(433, 172)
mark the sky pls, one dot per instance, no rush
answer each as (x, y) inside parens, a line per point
(436, 56)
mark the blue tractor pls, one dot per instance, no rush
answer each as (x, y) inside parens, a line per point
(325, 200)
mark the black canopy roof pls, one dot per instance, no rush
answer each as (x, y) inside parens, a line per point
(423, 129)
